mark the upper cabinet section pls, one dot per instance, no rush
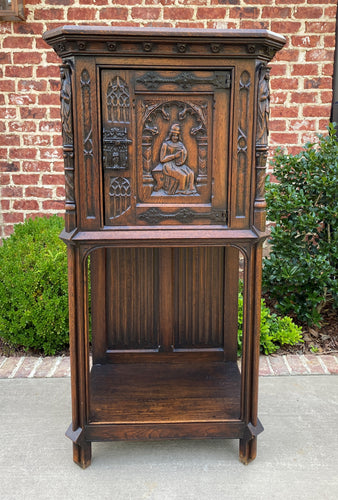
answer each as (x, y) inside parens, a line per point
(164, 127)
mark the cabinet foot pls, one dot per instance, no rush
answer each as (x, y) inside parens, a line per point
(247, 450)
(82, 454)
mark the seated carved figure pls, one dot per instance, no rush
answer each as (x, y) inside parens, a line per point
(177, 177)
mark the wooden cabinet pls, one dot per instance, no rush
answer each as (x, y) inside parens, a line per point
(165, 144)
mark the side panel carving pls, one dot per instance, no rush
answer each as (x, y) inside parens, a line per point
(87, 139)
(262, 133)
(68, 145)
(242, 142)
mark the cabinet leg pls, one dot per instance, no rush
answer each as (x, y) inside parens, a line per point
(247, 450)
(82, 454)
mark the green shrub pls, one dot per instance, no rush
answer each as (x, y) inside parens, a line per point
(301, 272)
(33, 287)
(276, 331)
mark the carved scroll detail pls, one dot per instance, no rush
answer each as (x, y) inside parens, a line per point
(120, 193)
(242, 141)
(68, 144)
(87, 138)
(184, 215)
(186, 80)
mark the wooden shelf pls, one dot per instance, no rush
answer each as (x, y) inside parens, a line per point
(164, 392)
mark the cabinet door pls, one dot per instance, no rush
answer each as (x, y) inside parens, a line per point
(165, 146)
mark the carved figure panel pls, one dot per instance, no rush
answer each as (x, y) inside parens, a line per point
(175, 137)
(263, 106)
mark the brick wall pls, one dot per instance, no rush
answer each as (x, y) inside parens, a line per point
(31, 168)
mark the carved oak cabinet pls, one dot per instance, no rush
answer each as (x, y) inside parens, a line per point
(165, 144)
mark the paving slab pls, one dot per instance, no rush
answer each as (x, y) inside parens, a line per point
(297, 453)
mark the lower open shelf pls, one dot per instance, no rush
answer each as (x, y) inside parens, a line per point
(164, 400)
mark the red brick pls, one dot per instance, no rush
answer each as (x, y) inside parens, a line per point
(284, 83)
(4, 179)
(51, 14)
(320, 55)
(51, 154)
(285, 26)
(27, 58)
(187, 24)
(52, 57)
(320, 26)
(326, 96)
(33, 113)
(308, 12)
(21, 99)
(278, 365)
(37, 140)
(304, 97)
(49, 99)
(23, 153)
(85, 14)
(313, 364)
(5, 57)
(7, 86)
(305, 69)
(18, 42)
(209, 13)
(287, 55)
(278, 97)
(53, 179)
(296, 365)
(5, 204)
(278, 69)
(114, 13)
(45, 367)
(38, 192)
(331, 363)
(28, 28)
(145, 13)
(53, 205)
(284, 112)
(11, 192)
(19, 126)
(317, 111)
(26, 367)
(48, 71)
(32, 85)
(264, 367)
(277, 125)
(318, 83)
(9, 166)
(67, 2)
(276, 13)
(19, 71)
(8, 366)
(25, 205)
(12, 217)
(36, 166)
(8, 230)
(51, 126)
(303, 124)
(58, 166)
(330, 12)
(241, 12)
(305, 41)
(9, 140)
(245, 24)
(63, 368)
(60, 192)
(25, 179)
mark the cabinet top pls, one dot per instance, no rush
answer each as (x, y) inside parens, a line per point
(81, 40)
